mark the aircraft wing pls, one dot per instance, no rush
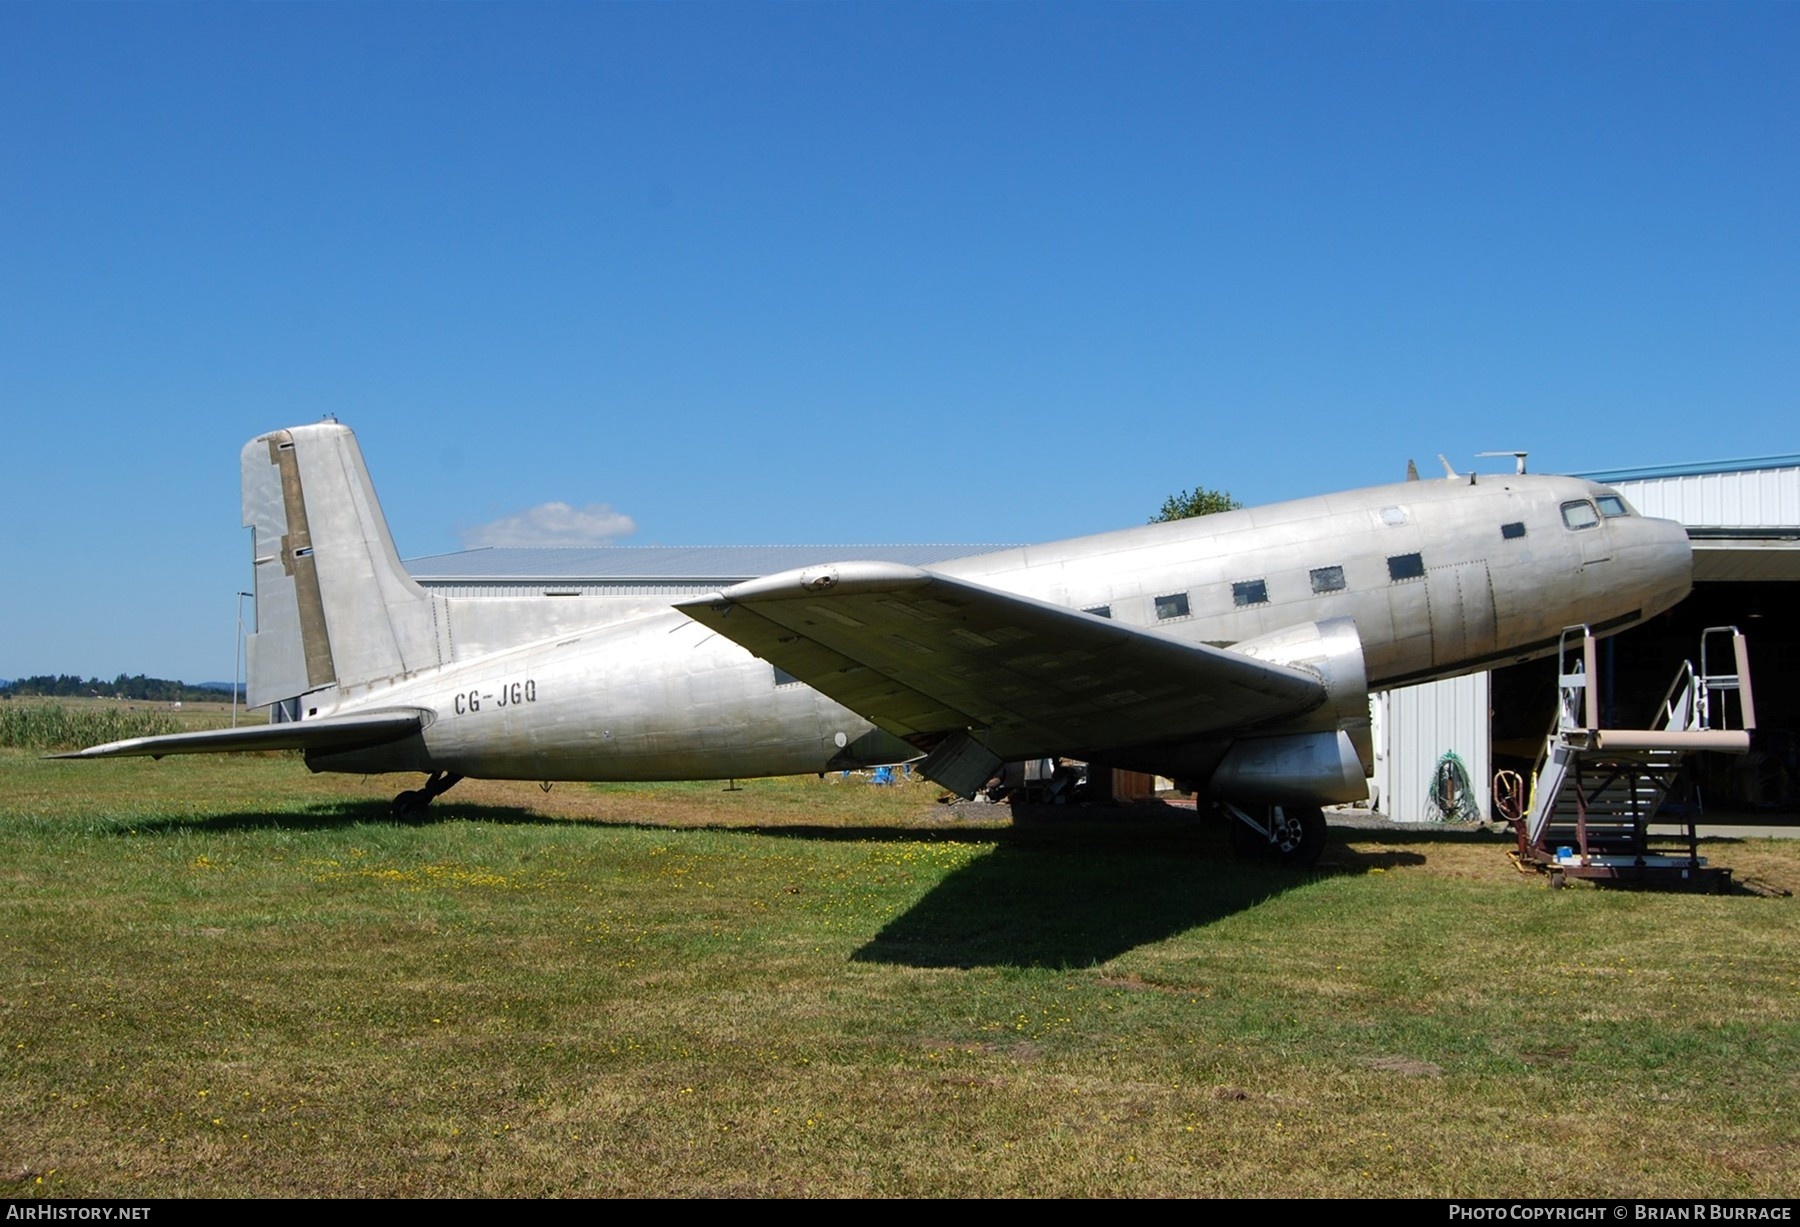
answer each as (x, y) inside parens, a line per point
(328, 733)
(923, 654)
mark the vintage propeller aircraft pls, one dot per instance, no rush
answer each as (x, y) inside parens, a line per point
(1234, 652)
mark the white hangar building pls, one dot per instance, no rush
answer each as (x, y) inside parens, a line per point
(1743, 517)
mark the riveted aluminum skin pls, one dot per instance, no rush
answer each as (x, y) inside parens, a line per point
(1239, 646)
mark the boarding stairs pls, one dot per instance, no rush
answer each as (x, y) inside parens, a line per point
(1597, 789)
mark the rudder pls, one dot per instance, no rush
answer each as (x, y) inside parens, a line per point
(334, 607)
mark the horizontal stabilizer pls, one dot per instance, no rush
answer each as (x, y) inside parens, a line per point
(329, 733)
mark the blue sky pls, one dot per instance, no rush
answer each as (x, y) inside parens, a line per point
(746, 274)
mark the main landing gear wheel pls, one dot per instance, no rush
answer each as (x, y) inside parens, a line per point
(1289, 835)
(411, 805)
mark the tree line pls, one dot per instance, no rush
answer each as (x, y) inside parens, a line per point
(1200, 501)
(148, 689)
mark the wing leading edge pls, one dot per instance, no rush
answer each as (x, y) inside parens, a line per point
(924, 655)
(329, 733)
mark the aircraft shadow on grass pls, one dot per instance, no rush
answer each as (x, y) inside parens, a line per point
(1076, 887)
(333, 815)
(1058, 891)
(1038, 904)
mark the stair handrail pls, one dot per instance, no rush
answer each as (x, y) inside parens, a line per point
(1575, 707)
(1738, 680)
(1559, 720)
(1684, 689)
(1576, 692)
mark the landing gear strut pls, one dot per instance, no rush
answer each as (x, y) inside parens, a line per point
(411, 805)
(1289, 834)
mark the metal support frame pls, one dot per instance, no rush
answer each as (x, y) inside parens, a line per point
(1598, 789)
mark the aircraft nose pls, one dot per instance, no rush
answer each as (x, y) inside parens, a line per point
(1664, 558)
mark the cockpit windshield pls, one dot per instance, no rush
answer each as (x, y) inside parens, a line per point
(1579, 514)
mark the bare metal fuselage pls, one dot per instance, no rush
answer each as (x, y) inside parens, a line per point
(1440, 578)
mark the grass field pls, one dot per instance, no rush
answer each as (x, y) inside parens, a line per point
(226, 976)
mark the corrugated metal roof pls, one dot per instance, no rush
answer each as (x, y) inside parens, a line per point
(1655, 471)
(708, 563)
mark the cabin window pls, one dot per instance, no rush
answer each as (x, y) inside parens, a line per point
(1612, 506)
(1250, 592)
(1099, 611)
(783, 677)
(1175, 605)
(1513, 531)
(1405, 566)
(1328, 579)
(1580, 514)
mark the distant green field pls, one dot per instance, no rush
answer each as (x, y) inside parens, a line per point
(226, 976)
(33, 723)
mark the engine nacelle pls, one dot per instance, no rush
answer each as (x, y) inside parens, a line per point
(1331, 651)
(1320, 768)
(1325, 756)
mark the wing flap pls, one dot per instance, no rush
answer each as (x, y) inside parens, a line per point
(923, 654)
(328, 733)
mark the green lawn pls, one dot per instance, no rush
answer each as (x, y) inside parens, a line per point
(229, 977)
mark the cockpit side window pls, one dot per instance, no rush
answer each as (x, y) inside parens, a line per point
(1612, 506)
(1580, 514)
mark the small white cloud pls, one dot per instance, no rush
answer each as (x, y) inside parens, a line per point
(551, 524)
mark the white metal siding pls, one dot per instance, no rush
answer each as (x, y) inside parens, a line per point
(1753, 498)
(1415, 727)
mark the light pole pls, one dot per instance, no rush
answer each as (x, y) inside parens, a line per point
(237, 656)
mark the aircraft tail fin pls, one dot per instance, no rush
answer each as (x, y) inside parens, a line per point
(334, 607)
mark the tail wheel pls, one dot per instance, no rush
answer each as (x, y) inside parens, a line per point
(411, 805)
